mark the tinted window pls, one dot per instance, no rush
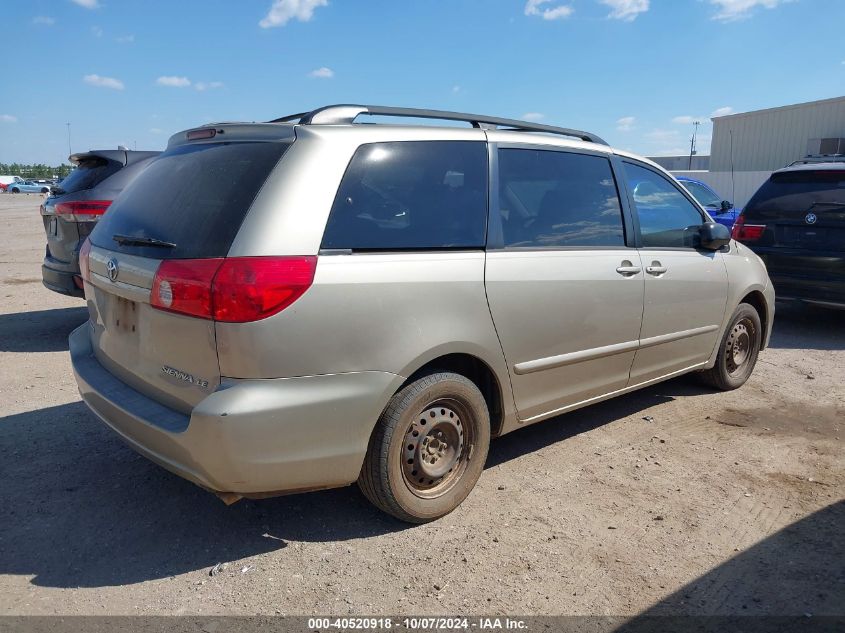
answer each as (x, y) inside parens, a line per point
(411, 195)
(195, 196)
(705, 196)
(88, 174)
(791, 193)
(667, 217)
(557, 199)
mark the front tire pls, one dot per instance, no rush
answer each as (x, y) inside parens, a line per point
(428, 449)
(738, 351)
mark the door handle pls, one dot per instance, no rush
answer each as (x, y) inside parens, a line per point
(627, 269)
(656, 269)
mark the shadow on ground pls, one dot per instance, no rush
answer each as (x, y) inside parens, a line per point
(801, 326)
(40, 330)
(798, 571)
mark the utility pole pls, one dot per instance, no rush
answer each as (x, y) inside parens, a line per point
(692, 150)
(69, 151)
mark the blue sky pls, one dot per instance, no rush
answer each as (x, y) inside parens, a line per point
(636, 72)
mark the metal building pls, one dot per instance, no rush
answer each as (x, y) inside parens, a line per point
(747, 147)
(765, 140)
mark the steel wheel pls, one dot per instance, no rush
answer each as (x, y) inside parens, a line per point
(437, 444)
(738, 346)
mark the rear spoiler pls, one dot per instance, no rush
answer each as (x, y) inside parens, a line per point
(124, 157)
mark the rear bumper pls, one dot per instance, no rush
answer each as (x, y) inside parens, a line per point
(810, 276)
(249, 436)
(60, 281)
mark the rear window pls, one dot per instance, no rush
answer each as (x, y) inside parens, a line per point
(89, 173)
(796, 191)
(194, 196)
(411, 195)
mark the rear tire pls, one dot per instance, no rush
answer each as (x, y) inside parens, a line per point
(428, 448)
(738, 350)
(16, 190)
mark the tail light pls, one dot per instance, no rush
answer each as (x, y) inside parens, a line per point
(82, 210)
(84, 271)
(743, 232)
(233, 290)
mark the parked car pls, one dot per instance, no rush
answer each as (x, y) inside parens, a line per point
(7, 180)
(311, 302)
(76, 204)
(796, 224)
(721, 210)
(27, 186)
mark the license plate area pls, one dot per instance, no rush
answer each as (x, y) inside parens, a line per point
(124, 316)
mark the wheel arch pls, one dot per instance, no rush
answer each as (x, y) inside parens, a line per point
(757, 300)
(480, 372)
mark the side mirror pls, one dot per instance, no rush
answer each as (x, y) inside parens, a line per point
(727, 206)
(713, 236)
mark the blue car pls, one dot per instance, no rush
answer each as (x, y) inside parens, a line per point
(720, 210)
(28, 186)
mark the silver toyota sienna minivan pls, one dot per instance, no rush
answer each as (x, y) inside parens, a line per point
(313, 301)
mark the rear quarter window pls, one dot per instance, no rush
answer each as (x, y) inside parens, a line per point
(411, 195)
(195, 196)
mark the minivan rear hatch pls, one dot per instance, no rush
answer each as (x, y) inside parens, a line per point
(187, 206)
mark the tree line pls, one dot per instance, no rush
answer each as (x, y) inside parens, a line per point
(38, 170)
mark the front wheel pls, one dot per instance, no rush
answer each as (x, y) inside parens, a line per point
(428, 449)
(16, 190)
(738, 350)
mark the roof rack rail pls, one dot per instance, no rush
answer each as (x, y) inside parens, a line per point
(340, 114)
(819, 158)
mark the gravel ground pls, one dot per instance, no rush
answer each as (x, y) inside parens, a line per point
(717, 503)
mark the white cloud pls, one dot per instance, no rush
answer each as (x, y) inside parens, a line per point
(156, 130)
(208, 85)
(722, 112)
(172, 81)
(283, 11)
(103, 82)
(44, 19)
(96, 31)
(125, 39)
(535, 8)
(684, 120)
(88, 4)
(533, 116)
(731, 10)
(664, 137)
(322, 73)
(8, 118)
(456, 89)
(625, 124)
(627, 10)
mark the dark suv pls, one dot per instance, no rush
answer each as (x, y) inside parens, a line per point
(76, 204)
(796, 224)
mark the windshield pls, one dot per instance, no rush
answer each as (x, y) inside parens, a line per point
(705, 196)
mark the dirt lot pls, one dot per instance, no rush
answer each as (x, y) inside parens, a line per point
(722, 504)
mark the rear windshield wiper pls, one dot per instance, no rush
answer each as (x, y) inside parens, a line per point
(128, 240)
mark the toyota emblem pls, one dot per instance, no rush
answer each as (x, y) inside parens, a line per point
(810, 218)
(111, 269)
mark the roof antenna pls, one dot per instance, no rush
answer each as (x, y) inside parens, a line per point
(733, 184)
